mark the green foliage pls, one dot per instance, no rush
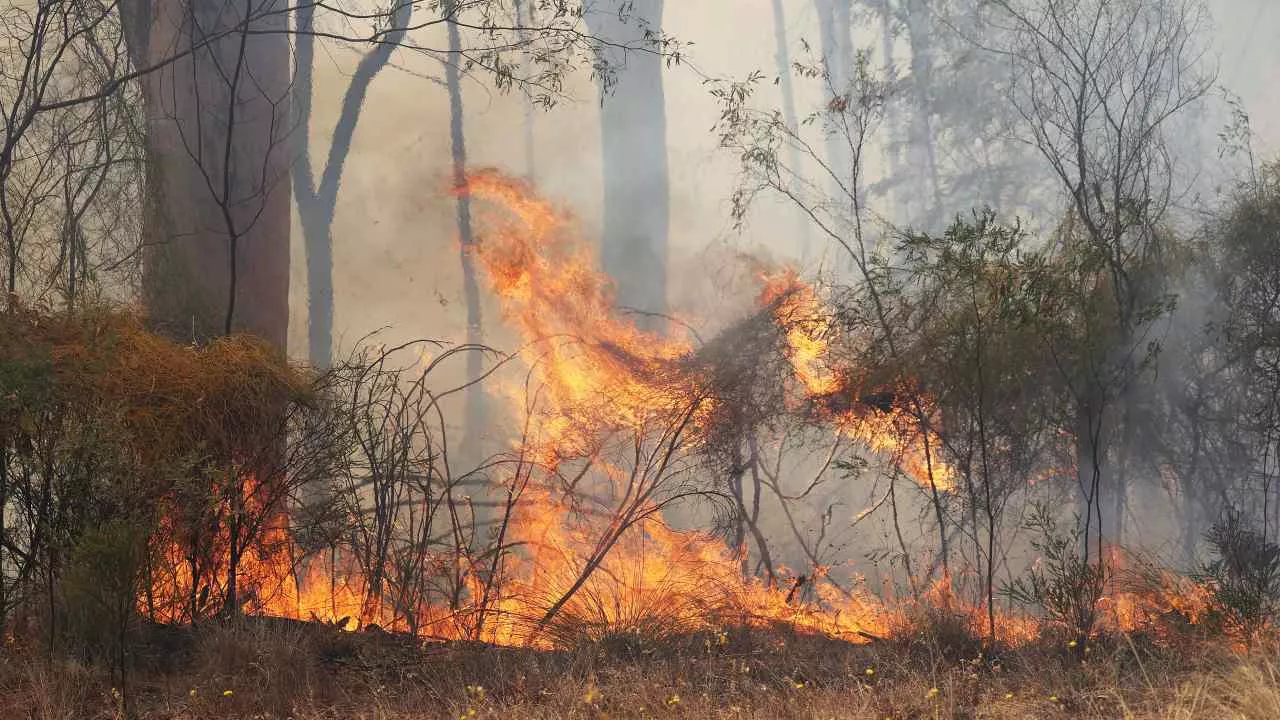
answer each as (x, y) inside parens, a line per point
(1244, 576)
(978, 350)
(1066, 586)
(100, 586)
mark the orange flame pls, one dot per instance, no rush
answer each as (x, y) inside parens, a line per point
(905, 436)
(591, 364)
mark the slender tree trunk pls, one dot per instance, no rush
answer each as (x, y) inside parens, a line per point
(1088, 432)
(921, 147)
(231, 606)
(633, 129)
(317, 204)
(4, 528)
(892, 119)
(1118, 488)
(835, 21)
(782, 58)
(1191, 504)
(525, 19)
(475, 411)
(830, 33)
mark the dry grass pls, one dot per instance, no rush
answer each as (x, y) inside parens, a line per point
(276, 669)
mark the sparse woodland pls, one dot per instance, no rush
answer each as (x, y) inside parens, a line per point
(1017, 334)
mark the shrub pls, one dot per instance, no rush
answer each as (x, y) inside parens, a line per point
(100, 585)
(1243, 579)
(99, 588)
(1062, 584)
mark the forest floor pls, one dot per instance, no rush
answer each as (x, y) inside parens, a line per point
(269, 669)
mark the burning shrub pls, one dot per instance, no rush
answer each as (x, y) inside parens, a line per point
(106, 425)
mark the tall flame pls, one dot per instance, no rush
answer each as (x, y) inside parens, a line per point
(590, 363)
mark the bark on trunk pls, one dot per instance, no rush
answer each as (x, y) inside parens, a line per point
(218, 223)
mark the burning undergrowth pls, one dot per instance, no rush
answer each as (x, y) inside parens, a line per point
(340, 497)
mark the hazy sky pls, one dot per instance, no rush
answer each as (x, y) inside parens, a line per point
(1248, 49)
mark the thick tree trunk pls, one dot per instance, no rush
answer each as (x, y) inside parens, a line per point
(218, 225)
(633, 128)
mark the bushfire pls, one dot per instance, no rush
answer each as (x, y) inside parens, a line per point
(626, 415)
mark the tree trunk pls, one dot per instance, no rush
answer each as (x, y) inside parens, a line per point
(633, 129)
(1089, 450)
(921, 148)
(525, 18)
(835, 24)
(892, 140)
(782, 57)
(317, 203)
(475, 411)
(834, 39)
(217, 227)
